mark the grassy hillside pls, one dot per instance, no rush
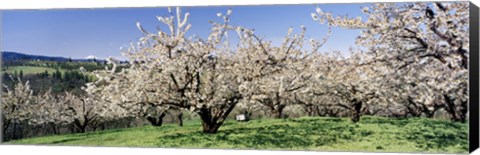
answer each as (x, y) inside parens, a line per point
(309, 133)
(30, 69)
(34, 70)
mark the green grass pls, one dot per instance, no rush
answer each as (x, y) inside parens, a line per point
(30, 70)
(372, 134)
(34, 70)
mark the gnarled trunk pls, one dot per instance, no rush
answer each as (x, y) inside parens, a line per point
(156, 121)
(210, 127)
(213, 117)
(457, 113)
(82, 126)
(430, 113)
(331, 111)
(210, 123)
(277, 111)
(357, 107)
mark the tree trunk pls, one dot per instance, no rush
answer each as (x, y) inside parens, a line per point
(248, 113)
(180, 119)
(310, 109)
(331, 111)
(54, 128)
(278, 111)
(5, 125)
(210, 123)
(156, 121)
(103, 126)
(355, 117)
(81, 126)
(20, 132)
(14, 130)
(277, 114)
(209, 127)
(357, 107)
(463, 111)
(72, 128)
(429, 114)
(320, 111)
(212, 118)
(457, 114)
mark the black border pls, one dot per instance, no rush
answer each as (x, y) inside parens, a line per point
(473, 77)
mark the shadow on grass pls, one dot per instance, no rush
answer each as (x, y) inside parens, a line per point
(301, 134)
(65, 140)
(399, 122)
(437, 135)
(316, 132)
(93, 133)
(83, 136)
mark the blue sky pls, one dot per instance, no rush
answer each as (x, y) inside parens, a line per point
(78, 33)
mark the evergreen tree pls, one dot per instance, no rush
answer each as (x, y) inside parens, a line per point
(46, 73)
(21, 74)
(67, 75)
(58, 74)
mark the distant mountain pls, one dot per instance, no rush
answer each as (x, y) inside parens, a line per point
(91, 57)
(15, 56)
